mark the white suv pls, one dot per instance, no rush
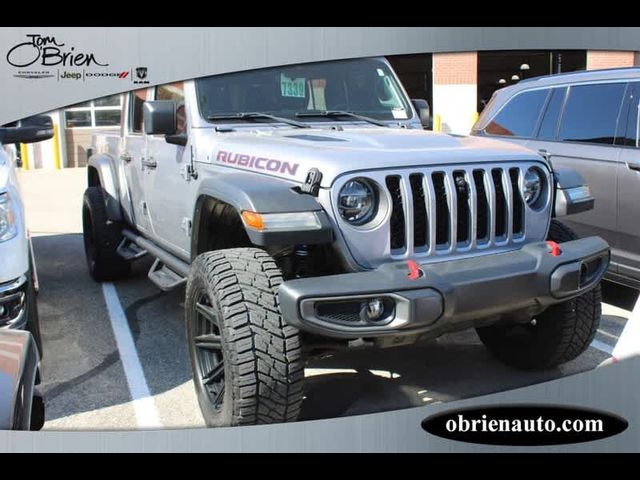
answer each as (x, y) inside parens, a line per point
(18, 282)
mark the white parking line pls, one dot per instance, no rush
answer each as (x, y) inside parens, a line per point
(607, 334)
(629, 343)
(145, 408)
(603, 347)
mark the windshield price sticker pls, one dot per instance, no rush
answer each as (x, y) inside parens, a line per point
(292, 87)
(399, 114)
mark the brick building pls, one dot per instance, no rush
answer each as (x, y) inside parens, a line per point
(456, 85)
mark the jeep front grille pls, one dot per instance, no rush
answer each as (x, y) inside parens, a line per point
(448, 211)
(452, 210)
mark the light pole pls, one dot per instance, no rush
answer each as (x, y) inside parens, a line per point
(524, 68)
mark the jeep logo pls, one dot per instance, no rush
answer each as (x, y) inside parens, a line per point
(257, 163)
(71, 75)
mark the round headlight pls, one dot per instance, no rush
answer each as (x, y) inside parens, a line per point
(533, 183)
(357, 201)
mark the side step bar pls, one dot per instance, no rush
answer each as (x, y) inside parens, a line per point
(168, 271)
(129, 250)
(165, 278)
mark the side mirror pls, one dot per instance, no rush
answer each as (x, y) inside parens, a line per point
(159, 117)
(29, 130)
(179, 139)
(423, 110)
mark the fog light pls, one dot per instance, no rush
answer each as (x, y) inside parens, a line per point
(375, 309)
(2, 310)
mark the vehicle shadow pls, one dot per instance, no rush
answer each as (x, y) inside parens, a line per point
(453, 367)
(81, 365)
(619, 295)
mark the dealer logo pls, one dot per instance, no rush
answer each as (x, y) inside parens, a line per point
(141, 76)
(31, 74)
(121, 75)
(47, 51)
(69, 75)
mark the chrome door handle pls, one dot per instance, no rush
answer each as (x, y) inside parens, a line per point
(149, 162)
(125, 157)
(633, 166)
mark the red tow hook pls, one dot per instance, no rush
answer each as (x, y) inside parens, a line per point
(556, 251)
(414, 270)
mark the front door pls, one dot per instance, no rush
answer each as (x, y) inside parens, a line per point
(167, 181)
(132, 153)
(584, 141)
(628, 188)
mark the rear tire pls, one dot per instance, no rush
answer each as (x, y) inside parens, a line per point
(561, 333)
(247, 362)
(101, 239)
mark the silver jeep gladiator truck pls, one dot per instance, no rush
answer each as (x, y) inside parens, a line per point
(306, 210)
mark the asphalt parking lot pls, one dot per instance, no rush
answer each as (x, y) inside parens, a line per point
(116, 358)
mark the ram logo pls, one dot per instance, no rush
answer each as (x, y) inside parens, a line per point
(141, 73)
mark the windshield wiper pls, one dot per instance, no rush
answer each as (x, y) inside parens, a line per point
(341, 113)
(251, 116)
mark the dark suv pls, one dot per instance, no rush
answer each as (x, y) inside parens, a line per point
(587, 121)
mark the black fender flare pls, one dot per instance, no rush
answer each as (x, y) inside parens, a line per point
(104, 167)
(262, 194)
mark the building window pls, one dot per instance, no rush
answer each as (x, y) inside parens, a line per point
(101, 112)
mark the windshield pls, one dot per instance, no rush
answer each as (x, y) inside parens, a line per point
(363, 86)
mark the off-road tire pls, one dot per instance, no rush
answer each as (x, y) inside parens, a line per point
(561, 333)
(262, 372)
(101, 239)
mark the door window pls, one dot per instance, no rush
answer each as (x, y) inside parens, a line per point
(591, 113)
(630, 117)
(549, 125)
(519, 117)
(175, 92)
(136, 100)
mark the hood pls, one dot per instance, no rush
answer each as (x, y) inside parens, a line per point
(291, 153)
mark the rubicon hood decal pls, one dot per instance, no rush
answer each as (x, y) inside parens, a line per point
(280, 153)
(257, 163)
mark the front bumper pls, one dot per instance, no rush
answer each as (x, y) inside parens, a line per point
(447, 296)
(13, 297)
